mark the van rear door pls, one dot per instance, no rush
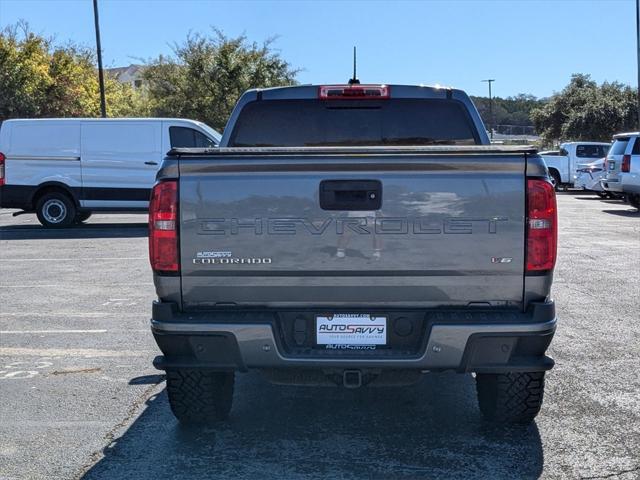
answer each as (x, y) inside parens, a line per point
(119, 163)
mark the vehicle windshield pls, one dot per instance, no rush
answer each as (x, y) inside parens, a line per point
(394, 122)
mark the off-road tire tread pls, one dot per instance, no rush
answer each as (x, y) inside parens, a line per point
(200, 396)
(510, 397)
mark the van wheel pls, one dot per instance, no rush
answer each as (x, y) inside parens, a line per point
(55, 210)
(82, 217)
(199, 396)
(510, 397)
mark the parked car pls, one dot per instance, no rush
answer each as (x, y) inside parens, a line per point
(353, 235)
(563, 163)
(64, 169)
(588, 177)
(623, 167)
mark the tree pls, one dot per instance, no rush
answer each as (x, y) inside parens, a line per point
(206, 75)
(583, 110)
(508, 111)
(39, 79)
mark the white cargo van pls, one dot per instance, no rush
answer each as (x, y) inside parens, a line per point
(64, 169)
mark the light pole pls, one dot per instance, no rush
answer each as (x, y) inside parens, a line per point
(103, 103)
(489, 81)
(638, 48)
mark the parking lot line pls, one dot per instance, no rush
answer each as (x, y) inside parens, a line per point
(2, 332)
(51, 285)
(70, 259)
(71, 352)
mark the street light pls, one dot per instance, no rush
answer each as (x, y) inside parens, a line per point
(491, 122)
(103, 103)
(638, 48)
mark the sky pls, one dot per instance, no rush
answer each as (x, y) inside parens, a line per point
(527, 46)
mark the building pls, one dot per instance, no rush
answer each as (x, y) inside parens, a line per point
(131, 75)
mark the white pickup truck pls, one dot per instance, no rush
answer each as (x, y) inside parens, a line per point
(563, 164)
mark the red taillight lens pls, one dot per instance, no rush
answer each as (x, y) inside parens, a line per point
(626, 164)
(2, 170)
(354, 92)
(163, 227)
(542, 225)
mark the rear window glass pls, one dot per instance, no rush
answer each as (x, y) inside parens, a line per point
(636, 147)
(591, 151)
(298, 123)
(619, 146)
(184, 137)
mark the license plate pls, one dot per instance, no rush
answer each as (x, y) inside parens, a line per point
(351, 329)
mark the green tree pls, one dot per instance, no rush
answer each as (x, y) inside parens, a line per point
(206, 75)
(584, 110)
(508, 111)
(38, 79)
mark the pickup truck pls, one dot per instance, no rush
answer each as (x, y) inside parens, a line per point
(564, 164)
(353, 235)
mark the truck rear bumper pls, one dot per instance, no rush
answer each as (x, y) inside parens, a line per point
(614, 186)
(456, 341)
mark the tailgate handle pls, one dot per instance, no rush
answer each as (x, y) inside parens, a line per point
(355, 195)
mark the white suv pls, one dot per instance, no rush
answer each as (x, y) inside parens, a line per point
(623, 167)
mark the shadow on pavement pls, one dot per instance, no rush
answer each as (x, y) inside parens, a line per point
(91, 230)
(615, 201)
(624, 213)
(430, 430)
(147, 380)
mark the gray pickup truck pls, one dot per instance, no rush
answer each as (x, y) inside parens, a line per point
(353, 235)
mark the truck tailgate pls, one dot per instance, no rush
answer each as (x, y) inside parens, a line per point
(449, 231)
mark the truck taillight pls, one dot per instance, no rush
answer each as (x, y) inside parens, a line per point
(354, 92)
(626, 164)
(2, 169)
(542, 225)
(163, 227)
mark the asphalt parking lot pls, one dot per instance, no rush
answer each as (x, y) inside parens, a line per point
(80, 399)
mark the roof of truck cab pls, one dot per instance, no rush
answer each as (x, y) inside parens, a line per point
(311, 90)
(89, 119)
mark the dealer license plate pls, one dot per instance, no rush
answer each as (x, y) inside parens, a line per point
(351, 329)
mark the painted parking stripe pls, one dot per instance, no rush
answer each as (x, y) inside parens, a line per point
(50, 331)
(69, 259)
(72, 352)
(33, 332)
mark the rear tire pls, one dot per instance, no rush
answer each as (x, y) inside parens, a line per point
(634, 200)
(555, 179)
(602, 194)
(510, 397)
(200, 396)
(55, 210)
